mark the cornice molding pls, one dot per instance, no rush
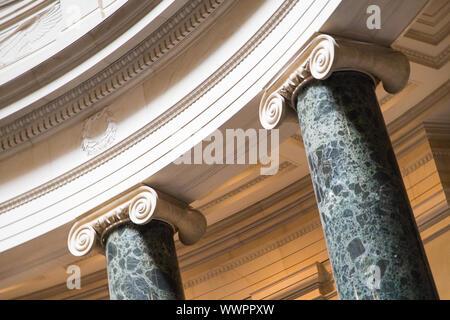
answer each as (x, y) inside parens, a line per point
(388, 97)
(435, 17)
(422, 132)
(93, 284)
(416, 111)
(139, 206)
(43, 18)
(243, 225)
(63, 55)
(433, 39)
(320, 279)
(323, 56)
(302, 186)
(161, 120)
(417, 164)
(441, 153)
(439, 213)
(286, 165)
(252, 255)
(118, 74)
(437, 129)
(435, 62)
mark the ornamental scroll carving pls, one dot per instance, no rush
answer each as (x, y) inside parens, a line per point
(139, 206)
(323, 56)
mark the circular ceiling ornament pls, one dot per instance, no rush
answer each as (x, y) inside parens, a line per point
(99, 132)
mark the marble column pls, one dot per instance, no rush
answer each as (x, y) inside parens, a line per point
(373, 243)
(142, 263)
(135, 232)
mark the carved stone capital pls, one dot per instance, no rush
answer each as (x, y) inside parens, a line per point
(323, 56)
(139, 206)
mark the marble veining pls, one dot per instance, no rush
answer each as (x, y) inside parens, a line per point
(371, 235)
(142, 263)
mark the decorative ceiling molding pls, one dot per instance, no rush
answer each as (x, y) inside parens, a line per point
(164, 118)
(413, 113)
(438, 212)
(93, 284)
(433, 39)
(93, 144)
(433, 23)
(41, 260)
(423, 132)
(253, 254)
(441, 154)
(435, 62)
(409, 140)
(427, 27)
(437, 129)
(319, 280)
(434, 12)
(241, 225)
(304, 184)
(417, 164)
(286, 165)
(112, 78)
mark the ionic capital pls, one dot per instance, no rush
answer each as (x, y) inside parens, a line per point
(323, 56)
(139, 206)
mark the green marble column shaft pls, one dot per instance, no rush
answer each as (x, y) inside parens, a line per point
(142, 263)
(372, 239)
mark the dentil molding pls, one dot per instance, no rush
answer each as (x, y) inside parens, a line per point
(323, 56)
(146, 55)
(252, 255)
(139, 206)
(174, 111)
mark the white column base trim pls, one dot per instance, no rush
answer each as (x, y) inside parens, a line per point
(140, 206)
